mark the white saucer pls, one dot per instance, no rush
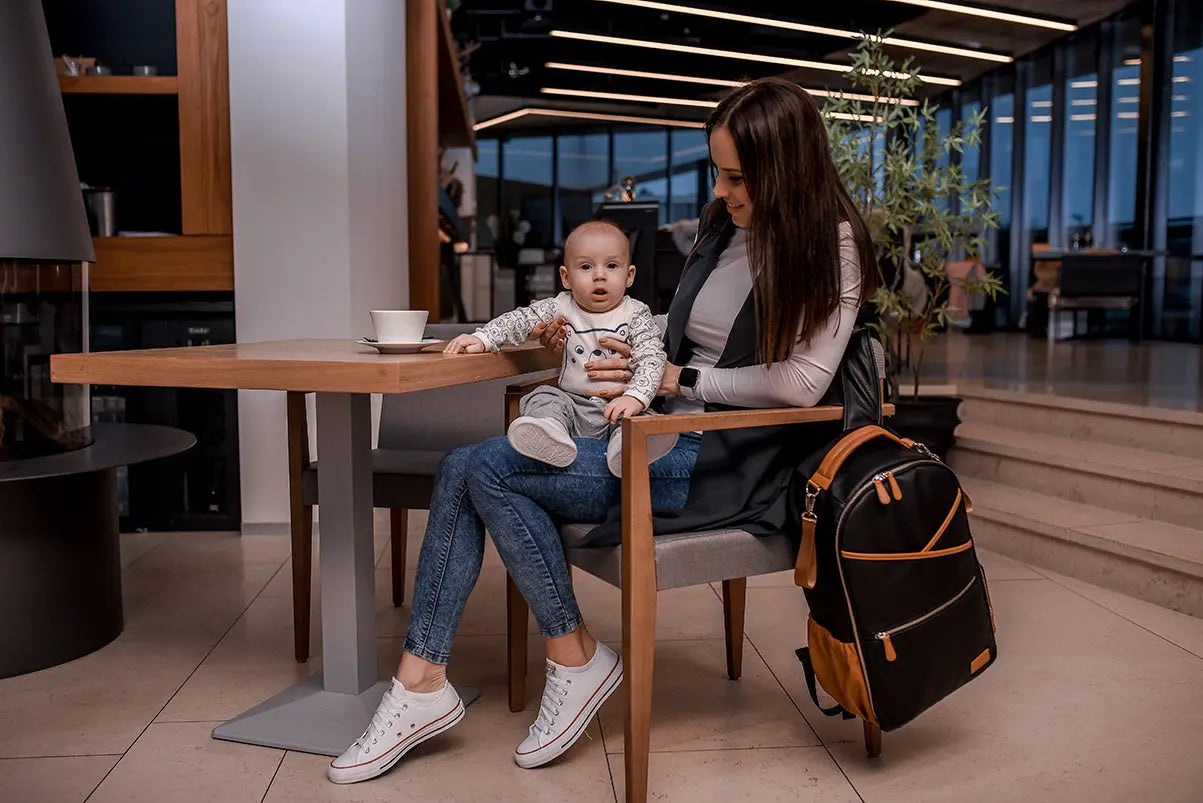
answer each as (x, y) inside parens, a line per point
(400, 348)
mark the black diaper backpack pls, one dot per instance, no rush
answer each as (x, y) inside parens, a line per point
(900, 615)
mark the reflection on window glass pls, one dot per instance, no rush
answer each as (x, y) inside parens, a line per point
(583, 163)
(527, 170)
(1002, 120)
(488, 162)
(1038, 126)
(971, 156)
(644, 155)
(1125, 112)
(1184, 236)
(690, 157)
(1077, 176)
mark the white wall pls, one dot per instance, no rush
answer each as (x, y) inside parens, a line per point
(317, 134)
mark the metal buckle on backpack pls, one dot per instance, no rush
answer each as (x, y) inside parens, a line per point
(923, 450)
(812, 494)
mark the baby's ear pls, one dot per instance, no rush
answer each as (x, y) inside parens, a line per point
(564, 277)
(630, 275)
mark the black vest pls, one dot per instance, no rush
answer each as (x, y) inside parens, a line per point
(743, 477)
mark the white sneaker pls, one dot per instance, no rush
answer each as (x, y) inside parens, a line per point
(571, 697)
(657, 446)
(401, 722)
(542, 439)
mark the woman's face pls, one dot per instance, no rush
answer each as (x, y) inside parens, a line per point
(729, 184)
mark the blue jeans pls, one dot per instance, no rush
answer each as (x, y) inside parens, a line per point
(521, 501)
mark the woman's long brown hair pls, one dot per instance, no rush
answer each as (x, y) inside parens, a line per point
(798, 203)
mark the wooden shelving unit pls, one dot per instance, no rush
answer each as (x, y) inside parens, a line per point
(201, 258)
(119, 84)
(197, 263)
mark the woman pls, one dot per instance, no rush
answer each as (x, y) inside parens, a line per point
(764, 311)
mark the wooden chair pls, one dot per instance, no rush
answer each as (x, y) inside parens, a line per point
(415, 433)
(642, 566)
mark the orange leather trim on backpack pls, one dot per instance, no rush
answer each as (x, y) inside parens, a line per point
(806, 568)
(846, 446)
(838, 670)
(956, 503)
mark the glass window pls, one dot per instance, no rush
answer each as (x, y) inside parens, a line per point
(971, 156)
(1125, 113)
(1038, 124)
(690, 157)
(1184, 209)
(488, 162)
(584, 169)
(644, 155)
(1077, 176)
(527, 175)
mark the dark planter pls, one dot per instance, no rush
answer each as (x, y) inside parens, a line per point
(931, 420)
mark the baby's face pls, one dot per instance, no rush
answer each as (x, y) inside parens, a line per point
(597, 269)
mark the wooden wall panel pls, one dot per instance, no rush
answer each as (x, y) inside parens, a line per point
(421, 150)
(162, 264)
(204, 98)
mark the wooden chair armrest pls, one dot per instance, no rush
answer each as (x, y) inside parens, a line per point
(514, 393)
(738, 419)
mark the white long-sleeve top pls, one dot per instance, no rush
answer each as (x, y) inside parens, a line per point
(798, 381)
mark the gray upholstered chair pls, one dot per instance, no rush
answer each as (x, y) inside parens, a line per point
(415, 433)
(642, 566)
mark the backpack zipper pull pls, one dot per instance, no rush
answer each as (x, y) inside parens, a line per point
(894, 486)
(891, 655)
(878, 483)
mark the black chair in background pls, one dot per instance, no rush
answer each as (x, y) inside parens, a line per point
(1102, 281)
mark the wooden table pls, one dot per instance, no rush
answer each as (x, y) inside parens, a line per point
(326, 712)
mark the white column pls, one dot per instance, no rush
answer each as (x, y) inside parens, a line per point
(317, 134)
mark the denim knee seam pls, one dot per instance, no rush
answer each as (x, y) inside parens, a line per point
(431, 614)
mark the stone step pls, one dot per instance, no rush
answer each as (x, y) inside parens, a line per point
(1157, 562)
(1141, 484)
(1176, 432)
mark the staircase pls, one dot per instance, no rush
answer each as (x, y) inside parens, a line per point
(1110, 494)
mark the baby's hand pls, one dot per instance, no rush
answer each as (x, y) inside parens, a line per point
(470, 344)
(623, 406)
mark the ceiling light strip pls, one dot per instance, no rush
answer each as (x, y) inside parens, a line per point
(991, 13)
(817, 29)
(563, 113)
(583, 93)
(729, 54)
(691, 79)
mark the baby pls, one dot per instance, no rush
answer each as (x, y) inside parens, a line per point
(596, 272)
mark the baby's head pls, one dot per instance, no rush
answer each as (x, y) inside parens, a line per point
(597, 265)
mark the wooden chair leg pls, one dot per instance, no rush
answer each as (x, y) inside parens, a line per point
(735, 593)
(398, 536)
(301, 525)
(872, 740)
(517, 617)
(639, 652)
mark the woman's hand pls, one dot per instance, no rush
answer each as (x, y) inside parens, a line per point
(670, 382)
(551, 335)
(612, 369)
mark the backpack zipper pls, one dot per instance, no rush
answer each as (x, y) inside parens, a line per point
(884, 636)
(879, 482)
(839, 529)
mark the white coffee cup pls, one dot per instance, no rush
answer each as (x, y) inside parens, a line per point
(399, 325)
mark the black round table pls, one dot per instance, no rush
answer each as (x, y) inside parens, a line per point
(60, 558)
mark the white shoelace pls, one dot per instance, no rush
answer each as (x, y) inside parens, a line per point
(381, 721)
(554, 692)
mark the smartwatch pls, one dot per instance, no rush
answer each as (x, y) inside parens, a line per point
(688, 378)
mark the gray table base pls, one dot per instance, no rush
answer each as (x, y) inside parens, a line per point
(307, 718)
(324, 713)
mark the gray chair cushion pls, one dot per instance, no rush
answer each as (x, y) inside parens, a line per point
(687, 559)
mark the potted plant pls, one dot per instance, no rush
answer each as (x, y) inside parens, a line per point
(929, 221)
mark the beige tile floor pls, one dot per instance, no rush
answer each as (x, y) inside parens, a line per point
(1095, 697)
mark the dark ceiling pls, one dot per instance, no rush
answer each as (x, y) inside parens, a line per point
(515, 43)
